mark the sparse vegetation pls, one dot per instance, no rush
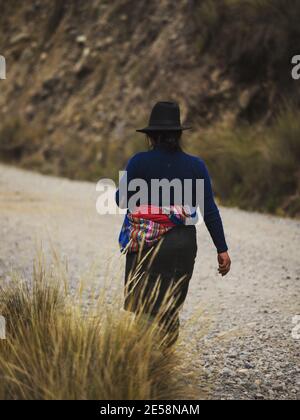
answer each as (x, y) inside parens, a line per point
(18, 139)
(57, 350)
(256, 168)
(254, 38)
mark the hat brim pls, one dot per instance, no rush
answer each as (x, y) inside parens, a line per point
(163, 128)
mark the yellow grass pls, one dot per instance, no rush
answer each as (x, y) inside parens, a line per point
(57, 348)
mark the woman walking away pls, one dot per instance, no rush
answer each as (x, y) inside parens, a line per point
(159, 234)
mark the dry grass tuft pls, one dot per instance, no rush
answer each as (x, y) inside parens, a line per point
(55, 349)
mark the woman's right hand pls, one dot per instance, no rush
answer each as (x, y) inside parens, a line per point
(224, 263)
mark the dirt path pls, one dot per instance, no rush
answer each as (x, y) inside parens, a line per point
(249, 350)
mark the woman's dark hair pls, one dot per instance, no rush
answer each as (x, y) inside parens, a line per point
(169, 140)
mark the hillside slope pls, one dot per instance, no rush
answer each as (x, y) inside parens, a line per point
(81, 76)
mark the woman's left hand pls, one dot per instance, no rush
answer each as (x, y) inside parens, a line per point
(224, 263)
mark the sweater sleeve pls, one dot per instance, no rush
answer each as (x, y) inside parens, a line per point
(211, 215)
(122, 194)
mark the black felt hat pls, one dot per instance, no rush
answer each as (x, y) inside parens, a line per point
(165, 116)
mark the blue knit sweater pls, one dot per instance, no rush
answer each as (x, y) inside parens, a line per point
(163, 164)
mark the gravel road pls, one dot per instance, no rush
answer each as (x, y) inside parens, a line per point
(243, 337)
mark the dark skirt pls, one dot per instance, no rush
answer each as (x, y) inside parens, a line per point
(157, 279)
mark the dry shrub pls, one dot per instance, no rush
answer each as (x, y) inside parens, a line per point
(256, 168)
(57, 349)
(18, 139)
